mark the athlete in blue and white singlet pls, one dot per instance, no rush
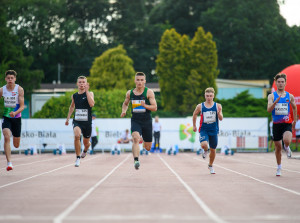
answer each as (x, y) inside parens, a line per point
(210, 114)
(279, 103)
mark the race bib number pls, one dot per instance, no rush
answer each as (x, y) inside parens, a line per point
(81, 115)
(10, 102)
(209, 117)
(281, 109)
(137, 107)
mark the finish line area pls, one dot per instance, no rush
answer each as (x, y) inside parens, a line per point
(166, 188)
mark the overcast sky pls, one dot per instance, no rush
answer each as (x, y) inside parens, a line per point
(291, 12)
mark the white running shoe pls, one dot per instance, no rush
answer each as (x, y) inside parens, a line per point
(9, 167)
(211, 170)
(204, 153)
(288, 151)
(278, 172)
(83, 154)
(77, 162)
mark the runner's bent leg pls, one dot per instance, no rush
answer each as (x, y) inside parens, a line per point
(135, 144)
(287, 138)
(204, 145)
(16, 141)
(86, 143)
(77, 143)
(278, 151)
(7, 149)
(148, 145)
(212, 156)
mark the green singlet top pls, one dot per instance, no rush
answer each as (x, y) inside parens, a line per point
(139, 112)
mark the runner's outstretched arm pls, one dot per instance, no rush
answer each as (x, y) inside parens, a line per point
(125, 104)
(71, 109)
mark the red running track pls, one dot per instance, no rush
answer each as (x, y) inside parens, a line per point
(105, 188)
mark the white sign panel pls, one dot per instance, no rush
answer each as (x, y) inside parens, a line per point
(234, 132)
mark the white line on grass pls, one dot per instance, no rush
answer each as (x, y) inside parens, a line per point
(37, 175)
(65, 213)
(205, 208)
(253, 178)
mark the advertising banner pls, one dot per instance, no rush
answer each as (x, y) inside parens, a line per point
(234, 132)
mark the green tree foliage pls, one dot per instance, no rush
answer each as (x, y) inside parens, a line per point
(63, 31)
(108, 104)
(113, 69)
(12, 57)
(185, 69)
(252, 37)
(130, 27)
(203, 69)
(182, 15)
(244, 105)
(168, 62)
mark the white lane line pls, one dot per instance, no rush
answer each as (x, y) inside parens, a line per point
(205, 208)
(65, 213)
(167, 217)
(260, 164)
(253, 178)
(162, 217)
(37, 175)
(25, 164)
(153, 217)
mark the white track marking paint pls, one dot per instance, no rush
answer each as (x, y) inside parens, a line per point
(162, 217)
(65, 213)
(37, 175)
(205, 208)
(253, 178)
(25, 164)
(260, 164)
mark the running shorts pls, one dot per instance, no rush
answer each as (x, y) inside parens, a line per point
(279, 129)
(14, 124)
(86, 128)
(211, 139)
(143, 127)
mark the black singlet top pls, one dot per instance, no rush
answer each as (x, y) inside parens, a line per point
(83, 111)
(138, 111)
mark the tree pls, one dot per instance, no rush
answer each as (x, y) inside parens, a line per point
(169, 69)
(12, 57)
(64, 31)
(203, 69)
(108, 104)
(182, 15)
(252, 38)
(185, 69)
(113, 69)
(130, 27)
(244, 105)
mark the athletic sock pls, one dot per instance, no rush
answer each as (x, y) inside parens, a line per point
(136, 159)
(9, 163)
(279, 166)
(78, 157)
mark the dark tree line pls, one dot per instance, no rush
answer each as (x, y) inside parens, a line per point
(253, 40)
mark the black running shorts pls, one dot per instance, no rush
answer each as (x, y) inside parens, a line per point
(14, 124)
(143, 127)
(86, 128)
(279, 129)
